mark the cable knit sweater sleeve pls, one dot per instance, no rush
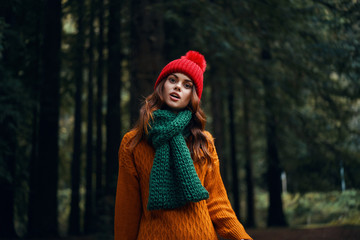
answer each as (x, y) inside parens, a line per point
(128, 200)
(221, 212)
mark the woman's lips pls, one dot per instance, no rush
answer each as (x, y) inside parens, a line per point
(174, 96)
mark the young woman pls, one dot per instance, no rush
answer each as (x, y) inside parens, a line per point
(169, 184)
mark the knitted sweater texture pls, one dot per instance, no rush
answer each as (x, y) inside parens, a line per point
(201, 220)
(173, 178)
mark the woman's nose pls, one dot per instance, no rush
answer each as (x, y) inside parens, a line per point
(177, 87)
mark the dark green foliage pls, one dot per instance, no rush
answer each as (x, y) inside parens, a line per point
(323, 208)
(10, 119)
(18, 72)
(330, 208)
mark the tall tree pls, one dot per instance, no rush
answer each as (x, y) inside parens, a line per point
(147, 40)
(113, 123)
(276, 215)
(272, 28)
(43, 194)
(74, 218)
(218, 122)
(89, 200)
(250, 203)
(99, 102)
(233, 153)
(99, 184)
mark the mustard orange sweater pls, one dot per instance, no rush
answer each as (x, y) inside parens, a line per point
(197, 221)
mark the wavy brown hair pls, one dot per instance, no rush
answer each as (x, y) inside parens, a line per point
(198, 141)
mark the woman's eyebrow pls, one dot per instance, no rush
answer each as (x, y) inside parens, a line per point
(174, 75)
(187, 80)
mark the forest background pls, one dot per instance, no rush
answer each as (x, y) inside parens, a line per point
(281, 92)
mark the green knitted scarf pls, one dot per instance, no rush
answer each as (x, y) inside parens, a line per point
(173, 179)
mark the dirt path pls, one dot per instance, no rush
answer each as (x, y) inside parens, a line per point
(324, 233)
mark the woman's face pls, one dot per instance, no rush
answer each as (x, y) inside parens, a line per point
(177, 91)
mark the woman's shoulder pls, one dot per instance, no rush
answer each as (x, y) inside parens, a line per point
(127, 140)
(125, 154)
(129, 135)
(132, 140)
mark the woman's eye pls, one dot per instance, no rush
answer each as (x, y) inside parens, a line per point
(172, 80)
(188, 85)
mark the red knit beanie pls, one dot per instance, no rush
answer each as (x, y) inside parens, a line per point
(193, 65)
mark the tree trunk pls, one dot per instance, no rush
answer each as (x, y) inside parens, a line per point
(147, 38)
(43, 197)
(89, 199)
(218, 114)
(276, 215)
(99, 104)
(74, 221)
(234, 164)
(250, 219)
(113, 121)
